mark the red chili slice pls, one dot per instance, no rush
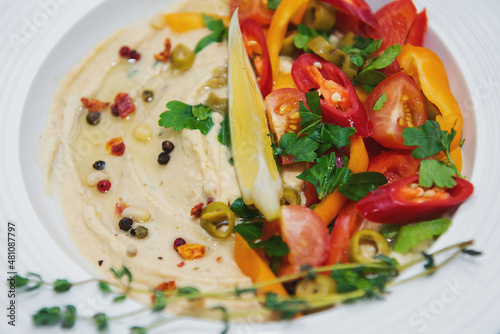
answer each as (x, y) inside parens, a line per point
(395, 203)
(339, 103)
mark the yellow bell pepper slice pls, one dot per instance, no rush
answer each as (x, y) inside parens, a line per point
(427, 69)
(182, 22)
(330, 205)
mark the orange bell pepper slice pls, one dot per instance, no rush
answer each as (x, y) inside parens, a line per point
(253, 266)
(330, 205)
(277, 29)
(182, 22)
(428, 71)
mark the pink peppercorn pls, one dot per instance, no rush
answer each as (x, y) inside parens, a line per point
(103, 186)
(125, 51)
(179, 242)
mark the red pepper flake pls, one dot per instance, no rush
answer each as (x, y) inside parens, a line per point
(94, 105)
(103, 186)
(209, 200)
(165, 54)
(120, 206)
(115, 146)
(166, 286)
(123, 105)
(218, 259)
(180, 265)
(197, 209)
(160, 257)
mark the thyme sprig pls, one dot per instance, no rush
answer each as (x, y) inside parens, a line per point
(354, 282)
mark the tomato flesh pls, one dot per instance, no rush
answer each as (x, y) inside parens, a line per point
(395, 165)
(405, 107)
(282, 107)
(252, 9)
(307, 237)
(396, 203)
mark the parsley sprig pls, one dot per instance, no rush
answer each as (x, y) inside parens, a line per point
(181, 115)
(219, 32)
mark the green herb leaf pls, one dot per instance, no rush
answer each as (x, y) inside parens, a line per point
(429, 139)
(238, 292)
(307, 268)
(302, 148)
(430, 263)
(68, 317)
(62, 285)
(330, 135)
(435, 172)
(471, 252)
(380, 102)
(359, 185)
(187, 290)
(273, 4)
(225, 318)
(310, 119)
(219, 31)
(363, 46)
(160, 302)
(180, 116)
(138, 330)
(411, 235)
(304, 35)
(386, 59)
(119, 298)
(249, 231)
(21, 281)
(274, 246)
(284, 308)
(101, 321)
(390, 231)
(225, 132)
(104, 287)
(37, 281)
(47, 316)
(370, 77)
(245, 212)
(324, 175)
(127, 273)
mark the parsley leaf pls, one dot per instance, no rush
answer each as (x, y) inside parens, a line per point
(273, 4)
(429, 139)
(329, 135)
(245, 212)
(274, 246)
(249, 231)
(363, 46)
(219, 31)
(305, 34)
(435, 172)
(410, 236)
(181, 115)
(225, 132)
(324, 175)
(310, 118)
(369, 75)
(359, 185)
(380, 102)
(302, 149)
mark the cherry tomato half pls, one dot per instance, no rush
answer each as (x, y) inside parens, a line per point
(405, 202)
(396, 165)
(307, 237)
(339, 103)
(252, 9)
(256, 47)
(405, 107)
(282, 108)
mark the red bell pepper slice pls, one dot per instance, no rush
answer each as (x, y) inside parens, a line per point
(362, 20)
(256, 46)
(418, 30)
(397, 203)
(339, 103)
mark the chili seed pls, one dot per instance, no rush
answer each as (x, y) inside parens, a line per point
(125, 51)
(167, 146)
(179, 242)
(141, 232)
(163, 158)
(148, 95)
(125, 224)
(99, 165)
(103, 186)
(93, 117)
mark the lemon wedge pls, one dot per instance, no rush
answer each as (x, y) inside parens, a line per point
(258, 176)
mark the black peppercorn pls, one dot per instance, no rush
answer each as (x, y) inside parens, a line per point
(99, 165)
(125, 224)
(167, 146)
(148, 95)
(93, 117)
(163, 158)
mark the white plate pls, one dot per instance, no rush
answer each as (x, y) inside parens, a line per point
(42, 39)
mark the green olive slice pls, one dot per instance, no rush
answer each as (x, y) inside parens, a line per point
(319, 16)
(320, 46)
(290, 196)
(322, 285)
(218, 220)
(373, 237)
(182, 58)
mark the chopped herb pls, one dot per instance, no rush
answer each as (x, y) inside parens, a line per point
(274, 246)
(429, 261)
(380, 102)
(302, 148)
(284, 308)
(411, 235)
(119, 273)
(362, 47)
(180, 115)
(219, 32)
(249, 231)
(304, 35)
(359, 185)
(245, 212)
(225, 132)
(324, 175)
(160, 301)
(62, 285)
(187, 290)
(369, 75)
(138, 330)
(119, 298)
(104, 287)
(435, 172)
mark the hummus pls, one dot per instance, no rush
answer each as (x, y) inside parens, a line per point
(199, 168)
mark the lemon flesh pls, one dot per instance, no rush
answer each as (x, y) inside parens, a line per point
(258, 176)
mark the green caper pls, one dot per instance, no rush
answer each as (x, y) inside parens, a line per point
(348, 39)
(319, 16)
(289, 48)
(372, 237)
(217, 103)
(182, 57)
(322, 285)
(290, 197)
(140, 232)
(93, 117)
(320, 46)
(219, 78)
(148, 95)
(350, 69)
(218, 220)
